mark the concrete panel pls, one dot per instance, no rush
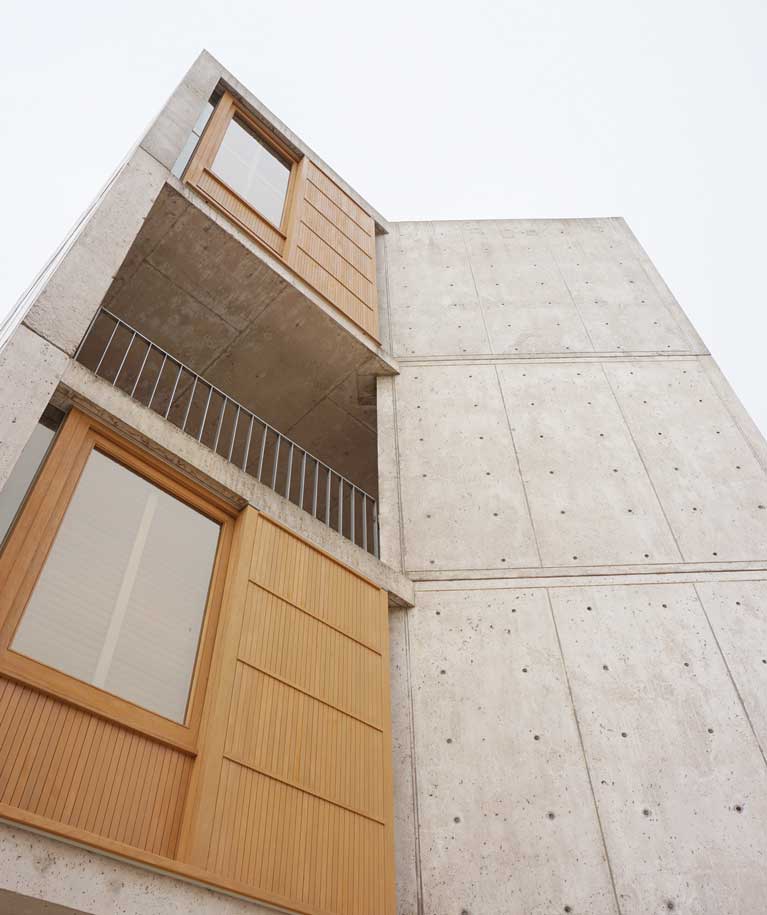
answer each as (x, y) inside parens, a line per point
(204, 260)
(287, 360)
(463, 501)
(433, 299)
(30, 369)
(677, 772)
(737, 612)
(389, 507)
(527, 286)
(713, 488)
(620, 306)
(35, 866)
(403, 767)
(166, 137)
(67, 304)
(171, 318)
(590, 497)
(332, 435)
(507, 818)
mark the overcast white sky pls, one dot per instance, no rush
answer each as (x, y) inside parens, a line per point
(651, 109)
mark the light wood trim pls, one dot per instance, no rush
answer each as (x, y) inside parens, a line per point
(30, 541)
(197, 826)
(202, 161)
(213, 835)
(321, 259)
(171, 866)
(296, 204)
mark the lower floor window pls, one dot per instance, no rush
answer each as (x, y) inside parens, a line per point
(120, 601)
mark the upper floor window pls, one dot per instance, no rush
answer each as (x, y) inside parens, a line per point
(252, 168)
(246, 171)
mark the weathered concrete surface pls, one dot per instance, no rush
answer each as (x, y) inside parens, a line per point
(527, 286)
(30, 369)
(678, 774)
(42, 870)
(507, 817)
(65, 307)
(563, 441)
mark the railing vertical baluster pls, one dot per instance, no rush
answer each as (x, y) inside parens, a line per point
(205, 413)
(106, 348)
(375, 528)
(149, 349)
(359, 500)
(173, 392)
(247, 443)
(234, 432)
(290, 471)
(189, 405)
(303, 479)
(88, 332)
(263, 452)
(276, 461)
(157, 382)
(125, 356)
(221, 415)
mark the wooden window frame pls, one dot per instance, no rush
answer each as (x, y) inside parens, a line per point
(201, 165)
(26, 551)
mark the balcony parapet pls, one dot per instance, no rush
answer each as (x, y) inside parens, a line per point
(118, 353)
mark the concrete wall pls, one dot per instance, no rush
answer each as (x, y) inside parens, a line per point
(579, 692)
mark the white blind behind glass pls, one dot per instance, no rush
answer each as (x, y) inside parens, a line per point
(121, 599)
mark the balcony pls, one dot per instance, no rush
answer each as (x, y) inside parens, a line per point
(120, 354)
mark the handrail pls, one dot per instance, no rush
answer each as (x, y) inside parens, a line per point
(136, 365)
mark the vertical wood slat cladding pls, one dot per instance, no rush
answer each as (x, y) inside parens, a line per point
(303, 811)
(72, 767)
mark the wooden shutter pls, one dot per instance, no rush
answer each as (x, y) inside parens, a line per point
(291, 797)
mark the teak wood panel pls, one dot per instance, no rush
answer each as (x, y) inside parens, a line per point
(64, 764)
(285, 795)
(295, 797)
(324, 235)
(26, 550)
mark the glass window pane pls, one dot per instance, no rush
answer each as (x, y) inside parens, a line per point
(121, 599)
(24, 471)
(254, 170)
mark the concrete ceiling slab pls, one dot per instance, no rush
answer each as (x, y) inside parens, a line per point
(196, 290)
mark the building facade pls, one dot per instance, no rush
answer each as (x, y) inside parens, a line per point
(356, 567)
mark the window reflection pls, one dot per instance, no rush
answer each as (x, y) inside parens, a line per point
(253, 170)
(121, 598)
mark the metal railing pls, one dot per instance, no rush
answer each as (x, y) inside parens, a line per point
(128, 360)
